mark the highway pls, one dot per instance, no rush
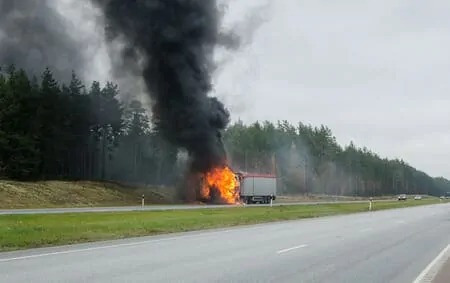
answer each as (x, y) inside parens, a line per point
(390, 246)
(148, 208)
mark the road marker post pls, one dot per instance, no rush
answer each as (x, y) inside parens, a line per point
(143, 201)
(370, 204)
(271, 200)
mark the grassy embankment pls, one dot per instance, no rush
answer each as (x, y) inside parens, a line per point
(51, 194)
(30, 231)
(322, 197)
(48, 194)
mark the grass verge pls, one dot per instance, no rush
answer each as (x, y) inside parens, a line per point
(49, 194)
(32, 231)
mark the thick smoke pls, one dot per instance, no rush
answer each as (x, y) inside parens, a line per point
(172, 42)
(33, 35)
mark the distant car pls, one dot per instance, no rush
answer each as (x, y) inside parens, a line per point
(418, 197)
(402, 197)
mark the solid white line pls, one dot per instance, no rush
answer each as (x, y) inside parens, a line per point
(71, 251)
(85, 249)
(428, 274)
(291, 249)
(366, 230)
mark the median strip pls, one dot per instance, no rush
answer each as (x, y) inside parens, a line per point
(32, 231)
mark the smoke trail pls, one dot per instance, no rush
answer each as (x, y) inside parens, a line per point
(172, 43)
(34, 35)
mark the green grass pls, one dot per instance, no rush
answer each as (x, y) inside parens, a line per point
(48, 194)
(31, 231)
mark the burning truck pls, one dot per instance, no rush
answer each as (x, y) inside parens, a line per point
(226, 186)
(256, 188)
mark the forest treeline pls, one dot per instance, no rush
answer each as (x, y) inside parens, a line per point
(51, 130)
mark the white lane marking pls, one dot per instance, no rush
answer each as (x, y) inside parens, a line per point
(108, 246)
(428, 274)
(84, 250)
(291, 249)
(400, 221)
(366, 230)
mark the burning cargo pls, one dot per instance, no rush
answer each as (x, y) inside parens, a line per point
(222, 185)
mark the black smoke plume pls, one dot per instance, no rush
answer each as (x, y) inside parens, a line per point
(176, 40)
(33, 35)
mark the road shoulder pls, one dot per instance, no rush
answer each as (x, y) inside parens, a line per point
(438, 269)
(443, 275)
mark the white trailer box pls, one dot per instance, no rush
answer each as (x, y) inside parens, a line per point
(255, 188)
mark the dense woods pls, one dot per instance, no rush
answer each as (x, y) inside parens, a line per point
(52, 130)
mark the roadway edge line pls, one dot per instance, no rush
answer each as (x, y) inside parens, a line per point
(431, 270)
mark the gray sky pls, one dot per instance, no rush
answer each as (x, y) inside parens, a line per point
(375, 72)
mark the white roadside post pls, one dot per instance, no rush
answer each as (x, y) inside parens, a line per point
(143, 200)
(370, 204)
(271, 200)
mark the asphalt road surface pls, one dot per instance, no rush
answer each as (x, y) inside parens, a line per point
(390, 246)
(443, 275)
(146, 208)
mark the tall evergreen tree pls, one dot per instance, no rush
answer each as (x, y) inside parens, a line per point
(49, 130)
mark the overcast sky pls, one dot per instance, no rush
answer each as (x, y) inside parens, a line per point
(375, 72)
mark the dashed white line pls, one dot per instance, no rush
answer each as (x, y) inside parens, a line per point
(366, 230)
(291, 249)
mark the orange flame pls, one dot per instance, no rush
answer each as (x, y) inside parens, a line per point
(222, 180)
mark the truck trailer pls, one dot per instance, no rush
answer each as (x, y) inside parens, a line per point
(257, 188)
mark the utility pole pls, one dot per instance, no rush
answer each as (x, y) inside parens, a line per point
(245, 157)
(135, 151)
(103, 153)
(393, 183)
(274, 164)
(357, 185)
(306, 172)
